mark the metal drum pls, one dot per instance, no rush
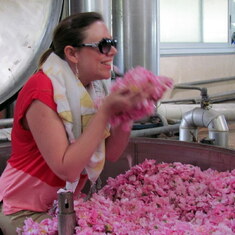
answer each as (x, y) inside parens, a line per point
(25, 32)
(136, 27)
(141, 148)
(202, 155)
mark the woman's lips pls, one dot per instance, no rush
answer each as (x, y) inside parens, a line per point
(107, 64)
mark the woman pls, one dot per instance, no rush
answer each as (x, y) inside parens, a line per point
(58, 136)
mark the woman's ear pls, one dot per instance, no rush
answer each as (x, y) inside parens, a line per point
(71, 54)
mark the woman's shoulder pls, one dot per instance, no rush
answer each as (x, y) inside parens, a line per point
(38, 87)
(39, 80)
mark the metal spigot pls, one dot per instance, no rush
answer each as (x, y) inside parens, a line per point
(205, 100)
(66, 216)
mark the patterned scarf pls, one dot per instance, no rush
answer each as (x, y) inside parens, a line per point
(75, 106)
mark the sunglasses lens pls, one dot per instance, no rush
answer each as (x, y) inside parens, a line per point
(114, 43)
(105, 45)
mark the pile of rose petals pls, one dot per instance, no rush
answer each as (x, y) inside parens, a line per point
(47, 227)
(137, 79)
(157, 199)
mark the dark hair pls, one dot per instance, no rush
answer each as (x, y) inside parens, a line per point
(70, 31)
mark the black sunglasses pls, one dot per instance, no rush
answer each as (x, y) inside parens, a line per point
(104, 45)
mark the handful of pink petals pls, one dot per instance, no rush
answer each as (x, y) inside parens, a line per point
(136, 79)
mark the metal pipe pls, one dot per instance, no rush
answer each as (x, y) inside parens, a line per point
(128, 18)
(102, 6)
(176, 111)
(215, 80)
(218, 98)
(154, 131)
(5, 135)
(66, 216)
(198, 117)
(6, 122)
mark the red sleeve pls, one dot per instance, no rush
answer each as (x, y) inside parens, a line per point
(38, 87)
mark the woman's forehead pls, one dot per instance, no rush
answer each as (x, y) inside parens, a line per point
(96, 31)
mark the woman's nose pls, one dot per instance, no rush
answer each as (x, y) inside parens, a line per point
(113, 51)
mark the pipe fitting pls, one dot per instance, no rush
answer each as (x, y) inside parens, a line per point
(198, 117)
(66, 215)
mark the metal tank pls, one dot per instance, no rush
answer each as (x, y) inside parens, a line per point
(136, 27)
(164, 150)
(25, 32)
(102, 6)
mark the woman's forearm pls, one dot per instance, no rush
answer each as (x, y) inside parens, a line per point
(79, 153)
(116, 143)
(65, 159)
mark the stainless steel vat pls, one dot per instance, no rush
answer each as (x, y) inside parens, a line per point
(25, 32)
(162, 150)
(26, 29)
(139, 149)
(202, 155)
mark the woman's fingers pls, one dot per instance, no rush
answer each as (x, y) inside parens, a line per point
(126, 99)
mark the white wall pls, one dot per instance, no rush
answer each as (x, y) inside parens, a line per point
(197, 68)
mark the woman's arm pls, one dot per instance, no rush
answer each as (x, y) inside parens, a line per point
(116, 143)
(68, 160)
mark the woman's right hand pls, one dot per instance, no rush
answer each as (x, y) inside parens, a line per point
(126, 99)
(122, 100)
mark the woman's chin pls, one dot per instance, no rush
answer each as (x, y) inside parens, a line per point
(107, 75)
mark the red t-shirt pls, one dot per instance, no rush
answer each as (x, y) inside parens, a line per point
(27, 182)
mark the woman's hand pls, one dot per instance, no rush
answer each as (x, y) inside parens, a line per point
(124, 100)
(120, 103)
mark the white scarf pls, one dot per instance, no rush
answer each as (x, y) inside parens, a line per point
(75, 106)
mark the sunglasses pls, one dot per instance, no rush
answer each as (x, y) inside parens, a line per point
(104, 45)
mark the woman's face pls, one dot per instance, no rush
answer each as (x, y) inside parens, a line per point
(92, 64)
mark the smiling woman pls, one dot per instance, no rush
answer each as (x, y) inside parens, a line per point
(26, 36)
(60, 138)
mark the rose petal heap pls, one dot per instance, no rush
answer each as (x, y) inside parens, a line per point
(139, 78)
(46, 227)
(159, 199)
